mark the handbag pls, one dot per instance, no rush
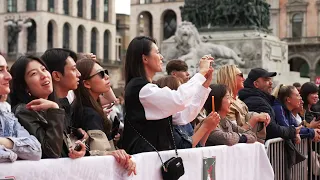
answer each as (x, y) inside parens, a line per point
(173, 168)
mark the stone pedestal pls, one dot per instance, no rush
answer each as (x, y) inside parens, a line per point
(257, 49)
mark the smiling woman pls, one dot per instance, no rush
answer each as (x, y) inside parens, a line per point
(34, 104)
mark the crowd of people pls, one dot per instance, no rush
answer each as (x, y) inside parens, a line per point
(62, 105)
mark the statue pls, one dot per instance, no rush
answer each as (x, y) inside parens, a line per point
(227, 13)
(190, 48)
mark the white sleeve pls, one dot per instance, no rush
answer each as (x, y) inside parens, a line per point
(193, 109)
(159, 103)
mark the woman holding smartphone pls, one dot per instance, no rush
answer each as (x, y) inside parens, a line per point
(149, 109)
(90, 116)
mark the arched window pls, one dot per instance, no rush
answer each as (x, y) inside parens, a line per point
(80, 37)
(93, 9)
(11, 5)
(66, 7)
(298, 64)
(106, 46)
(80, 8)
(50, 5)
(50, 35)
(31, 5)
(66, 36)
(169, 24)
(12, 40)
(94, 41)
(145, 24)
(297, 24)
(32, 37)
(106, 11)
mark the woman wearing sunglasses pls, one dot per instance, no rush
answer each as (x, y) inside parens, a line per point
(89, 115)
(149, 109)
(232, 77)
(33, 102)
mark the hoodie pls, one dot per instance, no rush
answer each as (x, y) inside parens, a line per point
(284, 117)
(261, 102)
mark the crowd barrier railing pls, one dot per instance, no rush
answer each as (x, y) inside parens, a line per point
(276, 152)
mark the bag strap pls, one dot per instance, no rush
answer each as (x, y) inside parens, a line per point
(174, 144)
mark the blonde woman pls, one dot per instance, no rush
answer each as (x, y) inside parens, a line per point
(232, 77)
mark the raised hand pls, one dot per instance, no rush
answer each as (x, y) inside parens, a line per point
(41, 104)
(205, 64)
(211, 121)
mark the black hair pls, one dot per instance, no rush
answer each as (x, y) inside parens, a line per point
(306, 89)
(218, 91)
(176, 65)
(55, 58)
(134, 66)
(19, 92)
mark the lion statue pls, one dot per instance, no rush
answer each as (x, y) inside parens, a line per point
(190, 48)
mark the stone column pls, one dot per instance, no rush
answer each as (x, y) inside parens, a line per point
(3, 6)
(58, 6)
(42, 35)
(100, 10)
(42, 5)
(22, 40)
(73, 5)
(100, 44)
(87, 40)
(58, 37)
(87, 9)
(312, 75)
(21, 6)
(74, 40)
(112, 13)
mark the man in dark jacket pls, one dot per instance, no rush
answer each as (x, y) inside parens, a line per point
(257, 96)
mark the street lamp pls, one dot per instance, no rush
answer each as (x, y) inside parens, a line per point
(14, 27)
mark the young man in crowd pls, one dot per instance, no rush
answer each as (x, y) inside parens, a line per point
(65, 76)
(178, 68)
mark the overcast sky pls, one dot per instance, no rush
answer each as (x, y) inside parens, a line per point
(123, 6)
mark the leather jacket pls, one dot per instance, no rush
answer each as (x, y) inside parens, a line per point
(47, 126)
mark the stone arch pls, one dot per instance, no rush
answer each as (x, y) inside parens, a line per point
(145, 24)
(106, 45)
(32, 37)
(94, 40)
(300, 63)
(168, 23)
(66, 35)
(81, 37)
(52, 32)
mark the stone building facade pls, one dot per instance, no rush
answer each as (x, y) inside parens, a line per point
(294, 21)
(79, 25)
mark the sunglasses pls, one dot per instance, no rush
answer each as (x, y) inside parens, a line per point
(101, 73)
(240, 74)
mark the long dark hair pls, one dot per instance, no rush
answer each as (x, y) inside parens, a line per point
(19, 86)
(84, 98)
(218, 91)
(134, 67)
(306, 89)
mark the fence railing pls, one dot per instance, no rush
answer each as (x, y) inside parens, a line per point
(277, 155)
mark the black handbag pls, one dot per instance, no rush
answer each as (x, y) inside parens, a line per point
(173, 168)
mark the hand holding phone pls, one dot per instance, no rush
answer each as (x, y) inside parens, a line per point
(78, 146)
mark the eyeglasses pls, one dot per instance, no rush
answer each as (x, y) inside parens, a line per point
(101, 73)
(240, 74)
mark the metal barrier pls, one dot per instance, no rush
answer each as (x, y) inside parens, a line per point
(276, 153)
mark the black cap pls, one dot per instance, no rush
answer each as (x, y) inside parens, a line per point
(256, 73)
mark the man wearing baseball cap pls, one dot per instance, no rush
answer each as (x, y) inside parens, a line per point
(257, 96)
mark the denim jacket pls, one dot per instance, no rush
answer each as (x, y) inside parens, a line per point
(25, 146)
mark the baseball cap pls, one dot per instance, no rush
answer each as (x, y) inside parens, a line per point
(256, 73)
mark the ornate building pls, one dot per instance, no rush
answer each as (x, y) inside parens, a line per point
(32, 26)
(295, 21)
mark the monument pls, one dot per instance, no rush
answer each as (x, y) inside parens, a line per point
(233, 32)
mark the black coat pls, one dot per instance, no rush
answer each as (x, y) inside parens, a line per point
(259, 101)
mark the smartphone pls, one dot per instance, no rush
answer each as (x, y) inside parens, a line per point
(115, 127)
(78, 146)
(110, 105)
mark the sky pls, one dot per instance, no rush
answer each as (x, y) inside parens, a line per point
(123, 6)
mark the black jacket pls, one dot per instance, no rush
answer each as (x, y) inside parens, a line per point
(46, 126)
(259, 101)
